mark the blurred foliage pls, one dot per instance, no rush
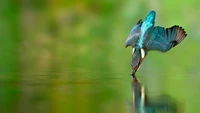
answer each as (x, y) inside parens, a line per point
(9, 63)
(68, 56)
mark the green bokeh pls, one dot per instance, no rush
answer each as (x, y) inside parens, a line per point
(68, 56)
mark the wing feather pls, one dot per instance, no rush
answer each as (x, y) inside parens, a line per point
(163, 40)
(134, 35)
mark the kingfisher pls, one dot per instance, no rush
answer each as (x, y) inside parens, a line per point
(145, 37)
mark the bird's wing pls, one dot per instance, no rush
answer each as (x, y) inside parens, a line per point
(134, 35)
(163, 40)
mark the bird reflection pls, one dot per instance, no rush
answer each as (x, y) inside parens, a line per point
(144, 104)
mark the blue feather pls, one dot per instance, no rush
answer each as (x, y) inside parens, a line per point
(146, 27)
(145, 37)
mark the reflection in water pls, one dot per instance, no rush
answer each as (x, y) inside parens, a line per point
(143, 104)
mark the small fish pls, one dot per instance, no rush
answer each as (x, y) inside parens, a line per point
(145, 37)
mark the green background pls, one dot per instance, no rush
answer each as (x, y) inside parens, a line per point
(68, 56)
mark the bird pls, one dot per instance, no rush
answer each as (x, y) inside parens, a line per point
(145, 37)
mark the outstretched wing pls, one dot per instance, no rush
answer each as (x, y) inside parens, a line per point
(163, 40)
(134, 35)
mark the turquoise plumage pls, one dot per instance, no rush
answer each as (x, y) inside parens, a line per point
(145, 37)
